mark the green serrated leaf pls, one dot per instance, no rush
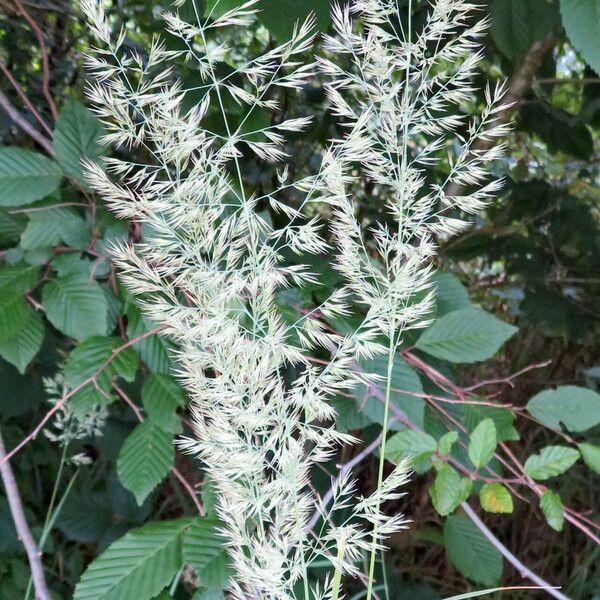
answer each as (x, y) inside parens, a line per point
(21, 348)
(449, 490)
(591, 455)
(517, 25)
(161, 397)
(482, 443)
(26, 176)
(77, 136)
(580, 19)
(446, 442)
(550, 462)
(145, 459)
(416, 444)
(139, 565)
(577, 408)
(50, 227)
(503, 420)
(347, 417)
(404, 379)
(203, 550)
(553, 510)
(91, 357)
(76, 306)
(209, 496)
(11, 227)
(495, 498)
(465, 336)
(14, 314)
(450, 293)
(470, 552)
(154, 350)
(19, 278)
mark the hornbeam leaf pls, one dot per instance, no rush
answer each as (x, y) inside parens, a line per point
(139, 565)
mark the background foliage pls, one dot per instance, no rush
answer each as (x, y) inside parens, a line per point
(496, 401)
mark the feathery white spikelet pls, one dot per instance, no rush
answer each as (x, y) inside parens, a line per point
(209, 268)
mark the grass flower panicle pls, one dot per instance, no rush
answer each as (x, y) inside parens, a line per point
(209, 266)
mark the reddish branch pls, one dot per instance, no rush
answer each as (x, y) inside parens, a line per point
(39, 34)
(138, 413)
(26, 101)
(90, 380)
(24, 124)
(34, 555)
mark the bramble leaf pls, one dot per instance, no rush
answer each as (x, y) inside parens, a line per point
(495, 498)
(482, 443)
(553, 510)
(550, 462)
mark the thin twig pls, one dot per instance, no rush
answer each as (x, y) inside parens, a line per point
(34, 555)
(24, 124)
(90, 380)
(140, 417)
(39, 34)
(16, 211)
(508, 380)
(26, 101)
(510, 557)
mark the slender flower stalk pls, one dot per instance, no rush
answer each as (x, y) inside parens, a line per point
(209, 266)
(393, 98)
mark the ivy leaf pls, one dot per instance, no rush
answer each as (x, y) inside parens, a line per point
(550, 462)
(449, 490)
(470, 552)
(145, 459)
(465, 336)
(482, 443)
(161, 396)
(577, 408)
(76, 306)
(591, 455)
(416, 444)
(580, 19)
(495, 498)
(139, 565)
(26, 176)
(553, 510)
(77, 136)
(21, 348)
